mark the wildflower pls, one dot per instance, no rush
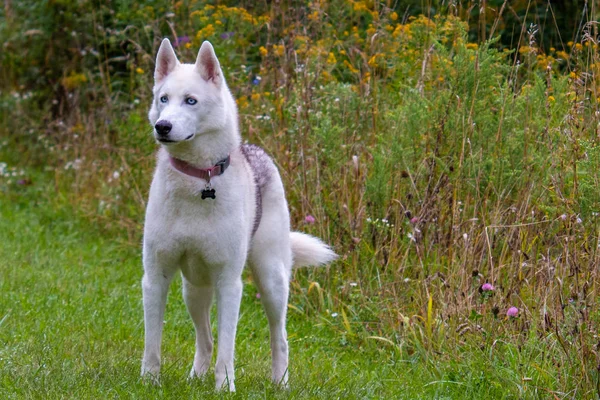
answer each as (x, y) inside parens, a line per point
(279, 49)
(258, 295)
(472, 46)
(263, 51)
(334, 314)
(139, 70)
(256, 80)
(309, 219)
(487, 287)
(563, 217)
(227, 35)
(414, 220)
(394, 16)
(512, 312)
(331, 58)
(551, 98)
(181, 40)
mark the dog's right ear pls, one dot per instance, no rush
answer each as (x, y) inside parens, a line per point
(166, 61)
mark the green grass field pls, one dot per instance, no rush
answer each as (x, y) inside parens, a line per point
(72, 327)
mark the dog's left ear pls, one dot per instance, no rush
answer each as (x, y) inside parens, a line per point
(207, 64)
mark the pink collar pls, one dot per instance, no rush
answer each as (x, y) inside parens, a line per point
(205, 173)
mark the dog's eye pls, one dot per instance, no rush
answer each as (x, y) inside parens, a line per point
(190, 101)
(164, 99)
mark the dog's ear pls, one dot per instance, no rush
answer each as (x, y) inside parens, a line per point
(166, 61)
(207, 63)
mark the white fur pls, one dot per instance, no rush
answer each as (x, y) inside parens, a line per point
(211, 240)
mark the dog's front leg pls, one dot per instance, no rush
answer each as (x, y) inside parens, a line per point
(229, 296)
(155, 285)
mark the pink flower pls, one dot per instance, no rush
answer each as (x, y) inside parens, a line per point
(309, 219)
(512, 312)
(258, 295)
(414, 220)
(487, 287)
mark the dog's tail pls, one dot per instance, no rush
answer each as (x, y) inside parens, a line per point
(308, 250)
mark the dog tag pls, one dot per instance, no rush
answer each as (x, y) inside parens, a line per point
(208, 194)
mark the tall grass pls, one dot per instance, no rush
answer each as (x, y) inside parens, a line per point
(432, 163)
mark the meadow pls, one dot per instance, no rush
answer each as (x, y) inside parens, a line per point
(455, 171)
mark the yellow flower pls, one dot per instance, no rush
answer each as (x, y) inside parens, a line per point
(570, 44)
(578, 46)
(551, 99)
(139, 70)
(279, 49)
(263, 51)
(393, 16)
(350, 67)
(472, 46)
(572, 75)
(371, 31)
(73, 81)
(331, 58)
(255, 96)
(359, 6)
(526, 50)
(242, 102)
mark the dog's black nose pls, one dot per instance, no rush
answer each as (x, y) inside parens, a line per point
(163, 127)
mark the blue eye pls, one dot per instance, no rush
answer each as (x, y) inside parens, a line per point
(164, 99)
(191, 101)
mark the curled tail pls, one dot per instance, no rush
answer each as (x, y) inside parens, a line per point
(308, 250)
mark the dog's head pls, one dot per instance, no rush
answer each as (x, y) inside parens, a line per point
(189, 99)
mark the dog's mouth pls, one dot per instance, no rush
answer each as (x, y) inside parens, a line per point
(168, 141)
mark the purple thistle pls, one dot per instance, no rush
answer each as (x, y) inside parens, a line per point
(181, 40)
(309, 219)
(487, 287)
(512, 312)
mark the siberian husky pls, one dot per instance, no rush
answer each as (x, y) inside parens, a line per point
(214, 205)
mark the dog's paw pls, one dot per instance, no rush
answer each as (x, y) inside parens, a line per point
(198, 373)
(225, 385)
(151, 374)
(281, 381)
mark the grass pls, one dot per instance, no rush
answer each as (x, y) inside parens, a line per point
(71, 327)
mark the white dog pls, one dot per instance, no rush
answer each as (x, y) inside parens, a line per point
(214, 204)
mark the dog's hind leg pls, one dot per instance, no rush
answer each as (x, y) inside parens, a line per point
(198, 301)
(272, 278)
